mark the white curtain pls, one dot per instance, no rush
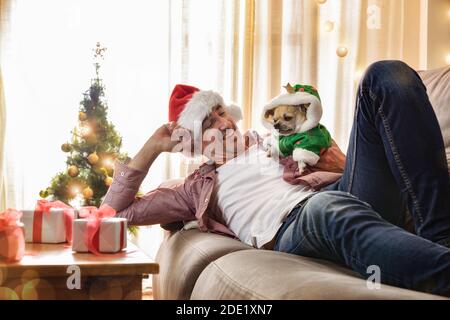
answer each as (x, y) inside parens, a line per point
(296, 41)
(6, 198)
(3, 199)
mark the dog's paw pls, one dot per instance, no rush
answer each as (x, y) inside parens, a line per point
(301, 167)
(305, 156)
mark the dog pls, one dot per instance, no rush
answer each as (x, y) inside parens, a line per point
(286, 119)
(295, 119)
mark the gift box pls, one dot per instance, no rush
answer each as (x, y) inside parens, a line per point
(110, 237)
(98, 231)
(49, 222)
(12, 242)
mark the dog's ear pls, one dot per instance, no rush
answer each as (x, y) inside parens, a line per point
(304, 107)
(269, 114)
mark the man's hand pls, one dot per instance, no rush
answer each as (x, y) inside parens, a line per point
(163, 138)
(331, 159)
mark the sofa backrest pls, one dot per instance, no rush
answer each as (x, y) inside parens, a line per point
(438, 88)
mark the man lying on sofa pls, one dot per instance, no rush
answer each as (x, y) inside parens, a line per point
(396, 158)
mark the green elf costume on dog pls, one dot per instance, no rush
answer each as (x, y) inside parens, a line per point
(311, 137)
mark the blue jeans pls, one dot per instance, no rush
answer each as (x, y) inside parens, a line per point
(395, 161)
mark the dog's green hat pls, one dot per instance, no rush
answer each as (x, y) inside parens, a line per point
(305, 88)
(297, 95)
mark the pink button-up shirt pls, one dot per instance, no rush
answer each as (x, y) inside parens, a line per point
(187, 201)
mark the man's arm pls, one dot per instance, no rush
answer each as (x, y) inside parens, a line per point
(331, 159)
(162, 205)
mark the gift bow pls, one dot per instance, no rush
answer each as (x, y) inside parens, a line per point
(45, 206)
(11, 227)
(9, 219)
(94, 218)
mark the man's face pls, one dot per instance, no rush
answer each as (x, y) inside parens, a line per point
(221, 139)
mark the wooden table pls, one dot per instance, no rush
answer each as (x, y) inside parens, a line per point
(46, 270)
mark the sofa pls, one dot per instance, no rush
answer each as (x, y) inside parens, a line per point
(198, 265)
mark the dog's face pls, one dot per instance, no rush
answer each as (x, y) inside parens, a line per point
(287, 119)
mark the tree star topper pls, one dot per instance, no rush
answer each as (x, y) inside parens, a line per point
(99, 51)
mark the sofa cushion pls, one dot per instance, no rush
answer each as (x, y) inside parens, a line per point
(183, 255)
(261, 274)
(438, 88)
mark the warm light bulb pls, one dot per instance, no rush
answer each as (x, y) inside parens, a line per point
(108, 162)
(328, 26)
(75, 190)
(342, 51)
(85, 130)
(447, 59)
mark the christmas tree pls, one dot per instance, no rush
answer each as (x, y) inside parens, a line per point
(94, 147)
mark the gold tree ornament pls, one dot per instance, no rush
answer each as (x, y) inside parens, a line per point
(73, 171)
(43, 193)
(66, 147)
(82, 116)
(88, 193)
(93, 158)
(108, 181)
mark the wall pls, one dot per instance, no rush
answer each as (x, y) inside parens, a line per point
(438, 32)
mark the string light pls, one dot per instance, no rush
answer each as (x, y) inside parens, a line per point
(328, 26)
(342, 51)
(107, 162)
(85, 130)
(75, 190)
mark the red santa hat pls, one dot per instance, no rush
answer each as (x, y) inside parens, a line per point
(188, 105)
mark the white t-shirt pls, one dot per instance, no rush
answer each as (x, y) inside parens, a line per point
(253, 196)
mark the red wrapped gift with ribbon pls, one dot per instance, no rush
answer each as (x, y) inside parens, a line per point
(12, 242)
(49, 222)
(98, 231)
